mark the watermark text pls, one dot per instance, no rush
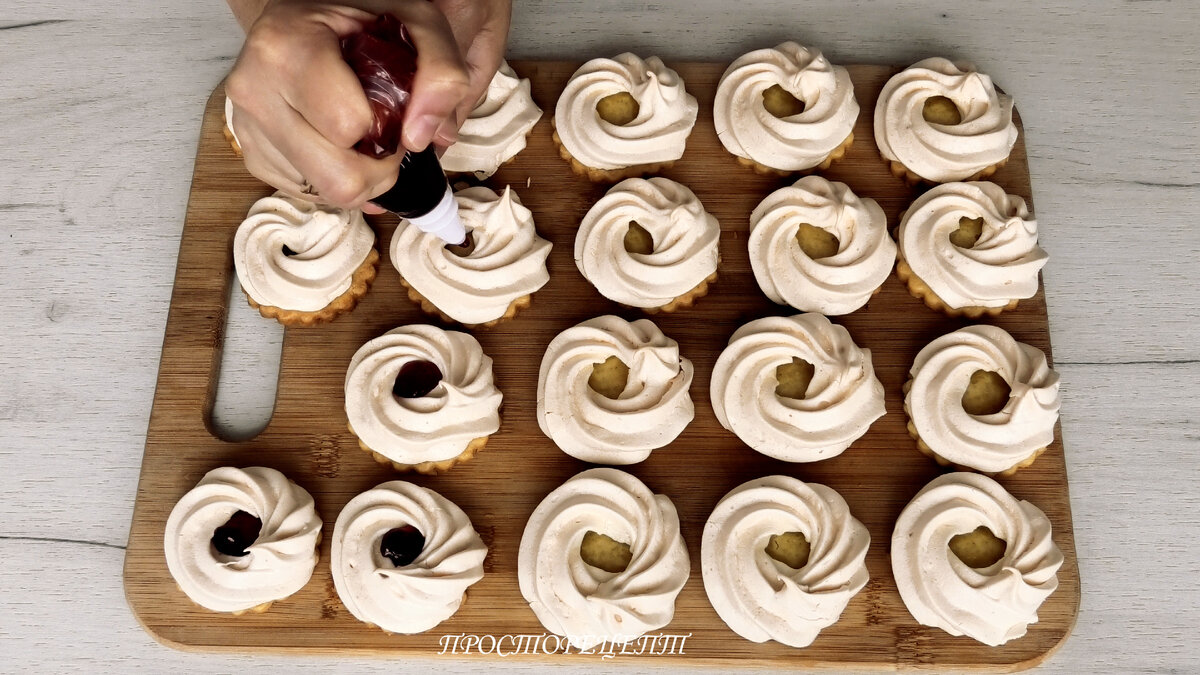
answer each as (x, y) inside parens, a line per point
(606, 647)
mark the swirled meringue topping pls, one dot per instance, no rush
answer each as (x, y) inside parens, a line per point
(996, 442)
(585, 603)
(278, 563)
(666, 113)
(838, 284)
(685, 243)
(652, 411)
(763, 599)
(495, 130)
(994, 604)
(1003, 264)
(293, 254)
(437, 426)
(842, 400)
(944, 152)
(415, 597)
(793, 143)
(508, 260)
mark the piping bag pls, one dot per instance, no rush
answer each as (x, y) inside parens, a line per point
(385, 61)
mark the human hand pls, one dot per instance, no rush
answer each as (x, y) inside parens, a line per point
(481, 30)
(299, 108)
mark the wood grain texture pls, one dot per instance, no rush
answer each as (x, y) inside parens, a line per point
(306, 437)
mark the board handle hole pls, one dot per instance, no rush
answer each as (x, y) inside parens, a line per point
(248, 376)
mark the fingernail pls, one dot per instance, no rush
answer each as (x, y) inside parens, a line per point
(446, 134)
(419, 132)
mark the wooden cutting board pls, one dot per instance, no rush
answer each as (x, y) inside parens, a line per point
(307, 437)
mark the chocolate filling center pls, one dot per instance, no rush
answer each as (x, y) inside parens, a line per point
(402, 545)
(416, 379)
(237, 534)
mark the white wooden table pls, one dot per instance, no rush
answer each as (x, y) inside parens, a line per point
(99, 117)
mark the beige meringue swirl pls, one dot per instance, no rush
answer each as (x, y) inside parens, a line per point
(418, 596)
(438, 426)
(940, 152)
(843, 398)
(763, 599)
(495, 130)
(992, 443)
(278, 563)
(508, 261)
(793, 143)
(652, 411)
(992, 605)
(326, 245)
(587, 604)
(838, 284)
(685, 238)
(666, 113)
(1003, 264)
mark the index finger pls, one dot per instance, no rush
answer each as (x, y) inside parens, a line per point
(441, 81)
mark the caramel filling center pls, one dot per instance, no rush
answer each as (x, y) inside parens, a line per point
(604, 552)
(789, 548)
(968, 232)
(794, 378)
(816, 242)
(619, 109)
(781, 103)
(979, 548)
(638, 240)
(986, 394)
(609, 377)
(941, 110)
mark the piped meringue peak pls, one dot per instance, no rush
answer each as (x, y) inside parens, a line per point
(763, 599)
(834, 284)
(275, 564)
(413, 597)
(938, 152)
(796, 142)
(658, 132)
(994, 604)
(585, 603)
(649, 411)
(507, 262)
(293, 254)
(839, 404)
(684, 236)
(496, 128)
(995, 442)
